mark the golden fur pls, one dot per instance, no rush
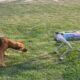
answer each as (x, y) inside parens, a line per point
(6, 43)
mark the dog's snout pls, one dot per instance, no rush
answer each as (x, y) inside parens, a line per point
(24, 50)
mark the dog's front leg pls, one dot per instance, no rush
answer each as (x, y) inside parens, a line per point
(2, 59)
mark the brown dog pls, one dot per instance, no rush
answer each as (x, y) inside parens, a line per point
(6, 43)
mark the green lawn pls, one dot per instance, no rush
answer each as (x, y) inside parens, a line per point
(34, 23)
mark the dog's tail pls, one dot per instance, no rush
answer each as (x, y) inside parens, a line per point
(1, 42)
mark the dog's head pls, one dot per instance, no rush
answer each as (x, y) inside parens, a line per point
(20, 46)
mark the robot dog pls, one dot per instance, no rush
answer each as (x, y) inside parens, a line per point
(63, 38)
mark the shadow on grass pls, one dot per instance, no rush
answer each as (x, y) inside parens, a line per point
(30, 64)
(17, 68)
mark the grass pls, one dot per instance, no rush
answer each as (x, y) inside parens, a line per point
(34, 23)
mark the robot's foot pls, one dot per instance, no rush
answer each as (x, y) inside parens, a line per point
(78, 49)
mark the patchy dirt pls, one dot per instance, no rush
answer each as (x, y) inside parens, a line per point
(30, 1)
(1, 1)
(56, 0)
(6, 0)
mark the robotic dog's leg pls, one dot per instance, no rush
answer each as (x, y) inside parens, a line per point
(61, 45)
(57, 48)
(69, 47)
